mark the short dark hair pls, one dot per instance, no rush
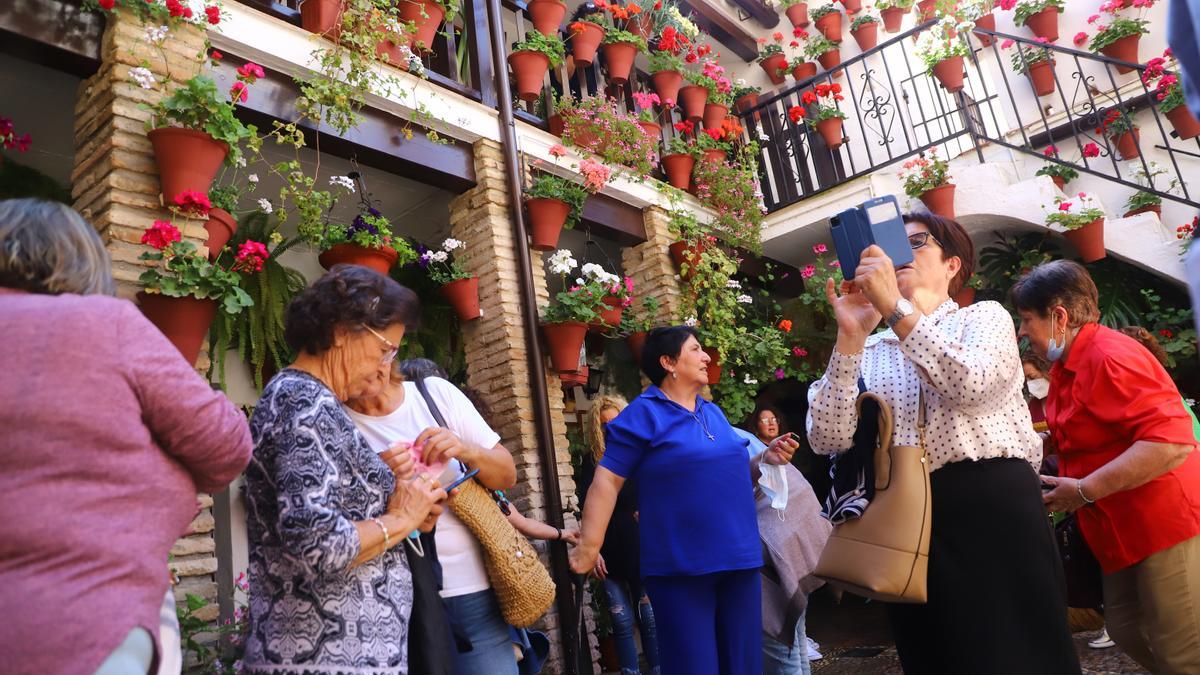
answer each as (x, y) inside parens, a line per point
(955, 242)
(420, 368)
(1036, 360)
(752, 420)
(1148, 341)
(1058, 282)
(666, 341)
(348, 296)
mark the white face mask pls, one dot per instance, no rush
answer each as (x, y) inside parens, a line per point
(1038, 388)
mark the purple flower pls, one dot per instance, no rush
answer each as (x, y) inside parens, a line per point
(422, 259)
(779, 374)
(361, 225)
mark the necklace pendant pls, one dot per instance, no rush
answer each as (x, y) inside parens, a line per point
(711, 437)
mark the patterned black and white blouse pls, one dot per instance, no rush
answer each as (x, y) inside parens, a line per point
(312, 474)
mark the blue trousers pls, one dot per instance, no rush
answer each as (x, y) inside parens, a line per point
(709, 624)
(624, 605)
(478, 614)
(781, 659)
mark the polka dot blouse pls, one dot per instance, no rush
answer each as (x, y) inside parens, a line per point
(966, 362)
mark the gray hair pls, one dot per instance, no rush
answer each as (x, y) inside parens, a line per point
(47, 247)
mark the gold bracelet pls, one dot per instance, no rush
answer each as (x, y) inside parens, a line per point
(1079, 489)
(387, 539)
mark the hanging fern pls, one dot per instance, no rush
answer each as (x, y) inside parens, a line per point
(257, 334)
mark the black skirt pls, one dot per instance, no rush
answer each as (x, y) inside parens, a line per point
(997, 595)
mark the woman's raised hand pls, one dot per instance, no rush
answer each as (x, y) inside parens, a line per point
(856, 316)
(413, 502)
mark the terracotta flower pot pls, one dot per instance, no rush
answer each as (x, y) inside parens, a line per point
(692, 99)
(745, 103)
(831, 130)
(804, 71)
(546, 219)
(714, 365)
(987, 22)
(463, 296)
(892, 17)
(686, 252)
(547, 15)
(1059, 182)
(714, 156)
(678, 169)
(950, 73)
(714, 115)
(323, 17)
(636, 341)
(529, 71)
(576, 379)
(427, 15)
(798, 14)
(666, 85)
(867, 36)
(965, 297)
(187, 160)
(639, 25)
(220, 227)
(830, 60)
(1185, 123)
(610, 316)
(1089, 240)
(1127, 144)
(390, 51)
(940, 200)
(925, 10)
(775, 66)
(184, 321)
(563, 341)
(852, 7)
(555, 125)
(1044, 24)
(585, 43)
(1125, 49)
(378, 259)
(830, 26)
(1156, 209)
(1041, 76)
(619, 57)
(652, 129)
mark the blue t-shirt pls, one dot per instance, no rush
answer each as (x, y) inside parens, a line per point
(695, 497)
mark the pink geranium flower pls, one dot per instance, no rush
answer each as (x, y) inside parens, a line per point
(1091, 150)
(819, 249)
(557, 150)
(1080, 38)
(161, 234)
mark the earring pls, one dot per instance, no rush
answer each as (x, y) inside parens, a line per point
(675, 375)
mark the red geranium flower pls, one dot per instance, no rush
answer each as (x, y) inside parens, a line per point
(785, 326)
(193, 203)
(238, 92)
(106, 4)
(1166, 333)
(796, 113)
(715, 134)
(808, 98)
(1080, 38)
(214, 14)
(161, 234)
(250, 256)
(1091, 150)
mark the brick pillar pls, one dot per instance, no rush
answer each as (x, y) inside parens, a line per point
(115, 186)
(496, 351)
(649, 265)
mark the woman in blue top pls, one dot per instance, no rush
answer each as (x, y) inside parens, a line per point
(700, 551)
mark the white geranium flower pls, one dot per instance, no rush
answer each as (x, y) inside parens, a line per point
(343, 182)
(750, 380)
(253, 178)
(745, 299)
(157, 34)
(439, 256)
(240, 162)
(264, 205)
(690, 322)
(452, 244)
(143, 77)
(426, 256)
(579, 281)
(561, 262)
(733, 283)
(762, 136)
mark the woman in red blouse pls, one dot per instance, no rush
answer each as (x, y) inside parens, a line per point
(1126, 466)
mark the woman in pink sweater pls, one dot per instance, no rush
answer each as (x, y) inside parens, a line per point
(108, 434)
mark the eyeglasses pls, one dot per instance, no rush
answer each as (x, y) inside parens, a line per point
(768, 420)
(393, 349)
(921, 239)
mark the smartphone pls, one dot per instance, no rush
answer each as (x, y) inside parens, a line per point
(1046, 487)
(466, 477)
(875, 221)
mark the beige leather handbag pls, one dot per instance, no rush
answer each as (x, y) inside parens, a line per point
(884, 554)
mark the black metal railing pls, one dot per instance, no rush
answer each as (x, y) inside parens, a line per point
(898, 111)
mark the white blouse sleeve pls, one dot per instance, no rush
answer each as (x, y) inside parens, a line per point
(832, 414)
(971, 375)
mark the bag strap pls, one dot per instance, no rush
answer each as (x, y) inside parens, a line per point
(433, 409)
(887, 425)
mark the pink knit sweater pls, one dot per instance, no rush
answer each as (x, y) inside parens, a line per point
(106, 435)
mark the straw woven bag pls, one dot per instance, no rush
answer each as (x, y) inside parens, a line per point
(523, 586)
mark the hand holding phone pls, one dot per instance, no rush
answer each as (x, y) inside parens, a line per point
(464, 478)
(874, 222)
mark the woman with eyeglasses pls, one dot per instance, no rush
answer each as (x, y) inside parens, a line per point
(997, 596)
(330, 592)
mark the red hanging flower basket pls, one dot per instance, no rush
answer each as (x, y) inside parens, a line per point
(1185, 123)
(1044, 24)
(427, 15)
(666, 85)
(746, 103)
(775, 66)
(1125, 49)
(1059, 182)
(187, 160)
(692, 99)
(950, 73)
(463, 296)
(717, 156)
(546, 219)
(378, 259)
(867, 36)
(184, 321)
(940, 200)
(585, 43)
(831, 130)
(893, 17)
(1089, 240)
(798, 14)
(652, 129)
(563, 341)
(714, 115)
(547, 15)
(529, 71)
(220, 227)
(619, 57)
(678, 168)
(610, 317)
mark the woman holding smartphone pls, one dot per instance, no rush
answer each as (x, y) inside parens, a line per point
(700, 551)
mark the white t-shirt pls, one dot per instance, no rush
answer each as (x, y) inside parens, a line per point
(458, 551)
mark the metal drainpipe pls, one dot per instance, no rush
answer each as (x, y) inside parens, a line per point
(568, 629)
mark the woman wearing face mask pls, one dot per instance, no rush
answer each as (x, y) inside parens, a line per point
(1127, 467)
(1037, 386)
(991, 552)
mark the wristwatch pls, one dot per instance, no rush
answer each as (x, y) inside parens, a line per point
(903, 308)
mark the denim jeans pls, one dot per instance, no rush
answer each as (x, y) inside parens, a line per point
(781, 659)
(478, 614)
(619, 594)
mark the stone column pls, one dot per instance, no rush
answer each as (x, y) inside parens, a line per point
(115, 186)
(496, 350)
(649, 265)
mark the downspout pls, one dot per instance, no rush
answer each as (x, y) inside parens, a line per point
(568, 629)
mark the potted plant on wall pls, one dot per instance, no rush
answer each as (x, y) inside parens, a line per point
(547, 15)
(928, 179)
(1143, 202)
(565, 320)
(666, 66)
(693, 96)
(598, 124)
(635, 324)
(710, 145)
(978, 12)
(194, 130)
(745, 96)
(367, 240)
(892, 12)
(942, 53)
(620, 49)
(184, 290)
(1040, 16)
(615, 295)
(647, 113)
(823, 114)
(459, 286)
(771, 58)
(796, 11)
(586, 35)
(1150, 176)
(1038, 65)
(531, 58)
(427, 17)
(677, 159)
(1119, 128)
(1119, 40)
(1169, 94)
(829, 21)
(802, 69)
(692, 240)
(865, 31)
(554, 203)
(827, 52)
(1081, 219)
(1061, 174)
